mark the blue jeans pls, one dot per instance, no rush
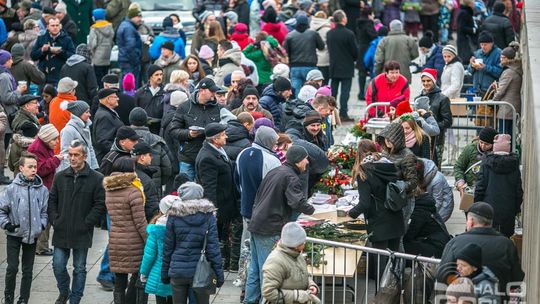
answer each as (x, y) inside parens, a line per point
(105, 273)
(261, 247)
(60, 260)
(188, 169)
(298, 77)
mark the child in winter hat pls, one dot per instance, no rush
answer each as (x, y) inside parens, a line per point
(502, 144)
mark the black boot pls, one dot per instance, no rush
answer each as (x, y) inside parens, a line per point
(8, 299)
(142, 297)
(119, 297)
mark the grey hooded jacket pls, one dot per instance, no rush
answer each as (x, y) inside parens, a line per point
(438, 186)
(24, 203)
(77, 129)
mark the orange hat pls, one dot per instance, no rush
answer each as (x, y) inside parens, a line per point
(403, 107)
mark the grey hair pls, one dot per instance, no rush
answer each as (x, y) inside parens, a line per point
(480, 220)
(77, 143)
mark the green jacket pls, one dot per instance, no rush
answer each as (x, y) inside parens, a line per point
(81, 13)
(470, 155)
(255, 54)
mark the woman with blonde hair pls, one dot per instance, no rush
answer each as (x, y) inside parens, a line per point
(179, 81)
(192, 65)
(415, 138)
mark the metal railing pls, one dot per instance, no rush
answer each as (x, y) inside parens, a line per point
(350, 273)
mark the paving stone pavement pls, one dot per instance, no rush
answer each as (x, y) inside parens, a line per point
(44, 289)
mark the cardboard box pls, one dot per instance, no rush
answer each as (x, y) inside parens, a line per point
(458, 110)
(467, 200)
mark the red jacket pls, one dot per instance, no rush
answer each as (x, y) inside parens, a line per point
(276, 30)
(46, 161)
(243, 40)
(387, 92)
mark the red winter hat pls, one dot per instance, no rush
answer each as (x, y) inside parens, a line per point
(240, 28)
(431, 73)
(403, 107)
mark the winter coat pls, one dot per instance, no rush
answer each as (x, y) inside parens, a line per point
(116, 11)
(485, 286)
(81, 12)
(278, 197)
(106, 122)
(81, 71)
(23, 70)
(365, 34)
(272, 102)
(301, 48)
(499, 254)
(151, 196)
(25, 123)
(238, 139)
(318, 161)
(452, 79)
(466, 33)
(252, 165)
(429, 7)
(228, 63)
(76, 204)
(297, 131)
(129, 43)
(24, 203)
(188, 114)
(168, 65)
(161, 162)
(285, 275)
(101, 42)
(241, 8)
(260, 109)
(70, 27)
(422, 150)
(27, 38)
(50, 63)
(187, 225)
(434, 60)
(58, 113)
(78, 129)
(391, 12)
(167, 35)
(322, 26)
(108, 160)
(500, 27)
(153, 260)
(8, 94)
(242, 39)
(125, 205)
(278, 31)
(343, 52)
(254, 21)
(19, 144)
(509, 89)
(383, 224)
(437, 186)
(215, 174)
(499, 184)
(439, 105)
(399, 47)
(426, 234)
(46, 161)
(380, 90)
(427, 123)
(482, 79)
(471, 155)
(126, 103)
(352, 10)
(264, 68)
(152, 104)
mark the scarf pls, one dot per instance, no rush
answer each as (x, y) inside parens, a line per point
(13, 82)
(165, 61)
(410, 140)
(138, 184)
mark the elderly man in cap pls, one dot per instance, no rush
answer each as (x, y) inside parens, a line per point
(150, 97)
(250, 103)
(106, 122)
(142, 152)
(485, 64)
(79, 68)
(25, 127)
(126, 103)
(499, 252)
(280, 195)
(187, 126)
(215, 173)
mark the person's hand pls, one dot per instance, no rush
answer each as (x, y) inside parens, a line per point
(45, 47)
(313, 290)
(460, 186)
(472, 61)
(303, 296)
(143, 278)
(59, 156)
(480, 66)
(194, 134)
(11, 228)
(422, 112)
(22, 88)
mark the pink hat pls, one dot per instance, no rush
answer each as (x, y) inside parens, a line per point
(324, 91)
(430, 73)
(501, 143)
(206, 52)
(240, 28)
(128, 83)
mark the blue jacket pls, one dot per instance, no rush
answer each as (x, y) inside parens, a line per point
(49, 63)
(129, 43)
(482, 79)
(272, 102)
(152, 261)
(3, 32)
(184, 238)
(436, 61)
(369, 55)
(179, 46)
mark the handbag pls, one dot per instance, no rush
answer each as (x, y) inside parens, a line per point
(204, 280)
(390, 284)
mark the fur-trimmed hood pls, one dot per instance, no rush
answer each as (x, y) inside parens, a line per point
(118, 181)
(22, 140)
(191, 207)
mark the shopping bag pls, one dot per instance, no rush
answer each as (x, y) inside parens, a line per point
(204, 280)
(467, 200)
(390, 284)
(415, 282)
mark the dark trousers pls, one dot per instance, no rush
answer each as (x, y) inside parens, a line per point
(506, 228)
(325, 73)
(362, 75)
(13, 247)
(162, 300)
(411, 28)
(344, 95)
(100, 71)
(122, 285)
(431, 23)
(230, 237)
(180, 292)
(377, 265)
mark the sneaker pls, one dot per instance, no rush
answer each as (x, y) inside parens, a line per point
(62, 299)
(106, 285)
(346, 119)
(46, 252)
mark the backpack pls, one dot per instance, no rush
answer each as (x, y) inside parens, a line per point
(396, 196)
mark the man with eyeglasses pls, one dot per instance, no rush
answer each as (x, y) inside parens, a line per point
(106, 122)
(52, 49)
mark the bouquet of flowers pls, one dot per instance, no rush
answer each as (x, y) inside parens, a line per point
(334, 182)
(342, 156)
(359, 130)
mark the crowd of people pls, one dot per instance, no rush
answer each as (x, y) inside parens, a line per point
(219, 148)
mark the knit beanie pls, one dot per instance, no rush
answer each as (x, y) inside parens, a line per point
(167, 202)
(77, 107)
(263, 121)
(269, 3)
(396, 26)
(302, 19)
(426, 40)
(206, 52)
(83, 50)
(292, 235)
(487, 135)
(305, 5)
(280, 70)
(17, 50)
(450, 49)
(307, 93)
(204, 15)
(502, 143)
(232, 16)
(430, 73)
(48, 132)
(240, 28)
(296, 154)
(403, 107)
(315, 75)
(178, 98)
(128, 83)
(61, 7)
(250, 90)
(152, 69)
(485, 37)
(324, 91)
(395, 134)
(190, 191)
(167, 22)
(169, 45)
(509, 52)
(134, 10)
(99, 14)
(312, 117)
(4, 56)
(266, 137)
(471, 254)
(138, 117)
(281, 84)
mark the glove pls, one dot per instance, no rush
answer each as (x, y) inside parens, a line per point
(10, 227)
(166, 280)
(314, 300)
(304, 296)
(143, 278)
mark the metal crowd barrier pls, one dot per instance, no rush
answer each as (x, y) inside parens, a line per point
(343, 272)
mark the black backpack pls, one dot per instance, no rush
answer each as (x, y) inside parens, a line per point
(396, 196)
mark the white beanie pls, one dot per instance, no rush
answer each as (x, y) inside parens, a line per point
(396, 26)
(293, 235)
(167, 202)
(307, 93)
(178, 98)
(280, 70)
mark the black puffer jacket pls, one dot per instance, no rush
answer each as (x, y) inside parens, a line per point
(365, 33)
(192, 113)
(499, 184)
(151, 204)
(500, 28)
(301, 47)
(383, 224)
(81, 71)
(238, 139)
(427, 234)
(294, 110)
(152, 104)
(318, 162)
